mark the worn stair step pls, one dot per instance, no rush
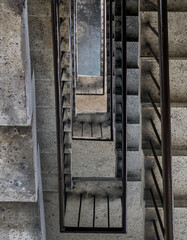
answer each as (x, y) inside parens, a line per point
(180, 223)
(172, 5)
(92, 117)
(21, 221)
(132, 109)
(179, 168)
(132, 80)
(133, 133)
(178, 31)
(92, 130)
(89, 85)
(132, 54)
(18, 169)
(103, 188)
(16, 84)
(133, 166)
(178, 74)
(178, 127)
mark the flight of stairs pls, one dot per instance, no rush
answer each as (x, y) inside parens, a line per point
(177, 17)
(84, 154)
(21, 196)
(133, 126)
(21, 206)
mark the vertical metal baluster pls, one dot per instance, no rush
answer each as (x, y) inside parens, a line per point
(108, 206)
(91, 124)
(82, 133)
(94, 213)
(80, 206)
(101, 129)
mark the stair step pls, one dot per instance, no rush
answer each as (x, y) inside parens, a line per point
(132, 54)
(178, 86)
(133, 133)
(179, 168)
(178, 129)
(178, 31)
(172, 6)
(21, 221)
(18, 170)
(132, 28)
(180, 220)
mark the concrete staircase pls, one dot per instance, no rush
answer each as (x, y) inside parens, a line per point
(178, 65)
(22, 123)
(21, 196)
(133, 128)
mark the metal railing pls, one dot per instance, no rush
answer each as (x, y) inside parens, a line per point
(57, 21)
(166, 198)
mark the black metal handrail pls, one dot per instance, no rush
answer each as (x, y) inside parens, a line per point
(166, 198)
(58, 72)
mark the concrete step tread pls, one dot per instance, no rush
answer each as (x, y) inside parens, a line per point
(180, 222)
(17, 159)
(20, 221)
(178, 86)
(178, 129)
(176, 29)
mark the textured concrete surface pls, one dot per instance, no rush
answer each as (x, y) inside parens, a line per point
(178, 127)
(87, 104)
(178, 75)
(134, 215)
(172, 5)
(15, 71)
(177, 33)
(20, 221)
(90, 85)
(133, 109)
(179, 223)
(17, 166)
(132, 81)
(88, 159)
(133, 133)
(132, 28)
(179, 166)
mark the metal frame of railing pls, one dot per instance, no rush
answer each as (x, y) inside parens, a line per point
(58, 72)
(58, 93)
(166, 199)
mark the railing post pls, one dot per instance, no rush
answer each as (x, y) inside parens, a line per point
(166, 120)
(124, 118)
